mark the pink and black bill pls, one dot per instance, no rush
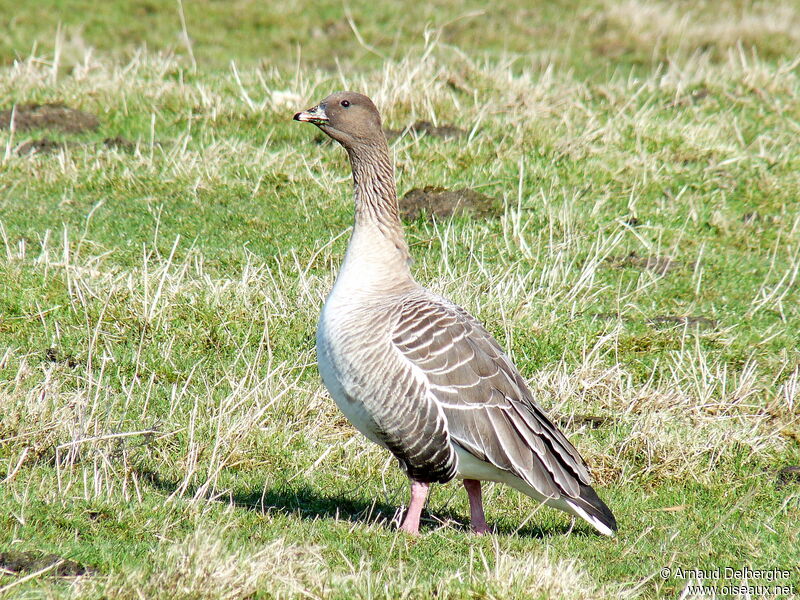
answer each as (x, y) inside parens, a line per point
(315, 115)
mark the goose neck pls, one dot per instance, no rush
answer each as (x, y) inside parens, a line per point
(377, 249)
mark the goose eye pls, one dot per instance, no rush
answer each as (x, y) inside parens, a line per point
(345, 103)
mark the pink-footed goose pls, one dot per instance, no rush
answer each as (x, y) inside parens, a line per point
(418, 374)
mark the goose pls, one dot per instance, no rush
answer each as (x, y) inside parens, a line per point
(419, 375)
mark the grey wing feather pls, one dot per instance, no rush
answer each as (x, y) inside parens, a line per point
(489, 409)
(415, 430)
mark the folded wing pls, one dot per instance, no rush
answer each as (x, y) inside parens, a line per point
(488, 408)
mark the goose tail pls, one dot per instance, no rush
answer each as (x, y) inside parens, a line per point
(592, 509)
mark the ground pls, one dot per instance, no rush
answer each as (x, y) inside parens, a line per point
(168, 236)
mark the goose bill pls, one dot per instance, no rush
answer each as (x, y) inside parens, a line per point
(314, 115)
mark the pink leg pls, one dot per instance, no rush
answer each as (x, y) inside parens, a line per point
(476, 516)
(419, 491)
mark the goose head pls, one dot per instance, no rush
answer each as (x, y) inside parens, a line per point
(349, 118)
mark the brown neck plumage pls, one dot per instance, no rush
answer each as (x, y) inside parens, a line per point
(375, 192)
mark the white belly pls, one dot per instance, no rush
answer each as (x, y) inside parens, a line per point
(336, 382)
(471, 467)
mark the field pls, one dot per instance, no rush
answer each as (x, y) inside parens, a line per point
(168, 236)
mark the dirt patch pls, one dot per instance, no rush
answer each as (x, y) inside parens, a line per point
(691, 98)
(751, 218)
(612, 316)
(339, 29)
(788, 475)
(41, 146)
(633, 221)
(590, 421)
(46, 145)
(688, 321)
(54, 356)
(439, 131)
(30, 562)
(660, 265)
(119, 143)
(441, 203)
(661, 320)
(55, 116)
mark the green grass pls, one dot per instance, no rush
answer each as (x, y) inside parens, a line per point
(161, 418)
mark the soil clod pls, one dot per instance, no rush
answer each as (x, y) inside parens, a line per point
(590, 421)
(694, 97)
(790, 474)
(40, 146)
(119, 143)
(54, 356)
(30, 562)
(751, 218)
(687, 321)
(441, 203)
(660, 265)
(612, 316)
(54, 116)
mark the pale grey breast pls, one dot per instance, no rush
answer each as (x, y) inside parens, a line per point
(380, 392)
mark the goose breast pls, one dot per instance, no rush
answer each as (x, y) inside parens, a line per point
(379, 391)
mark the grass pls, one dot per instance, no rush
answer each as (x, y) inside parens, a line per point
(162, 422)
